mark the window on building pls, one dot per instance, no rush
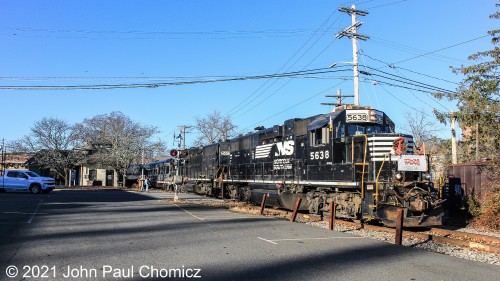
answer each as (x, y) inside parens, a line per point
(92, 174)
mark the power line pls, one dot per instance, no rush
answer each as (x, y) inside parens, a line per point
(396, 98)
(433, 99)
(438, 50)
(292, 74)
(293, 106)
(413, 50)
(388, 4)
(399, 86)
(394, 67)
(429, 94)
(255, 96)
(408, 81)
(105, 34)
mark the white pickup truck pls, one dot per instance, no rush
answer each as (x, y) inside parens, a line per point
(25, 180)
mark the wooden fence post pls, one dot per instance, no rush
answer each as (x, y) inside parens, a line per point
(399, 227)
(332, 214)
(263, 204)
(297, 204)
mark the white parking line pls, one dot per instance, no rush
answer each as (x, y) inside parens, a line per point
(193, 215)
(36, 210)
(226, 218)
(273, 241)
(270, 241)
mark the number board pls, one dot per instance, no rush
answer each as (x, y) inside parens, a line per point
(363, 116)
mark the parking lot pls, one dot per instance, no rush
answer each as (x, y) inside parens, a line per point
(100, 234)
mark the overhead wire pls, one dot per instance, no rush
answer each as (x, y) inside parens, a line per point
(293, 106)
(175, 83)
(406, 69)
(412, 50)
(433, 99)
(438, 50)
(388, 4)
(148, 35)
(255, 95)
(406, 79)
(395, 97)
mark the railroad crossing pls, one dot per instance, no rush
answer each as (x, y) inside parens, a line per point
(114, 234)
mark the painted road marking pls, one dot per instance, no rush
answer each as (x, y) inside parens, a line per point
(273, 241)
(36, 210)
(193, 215)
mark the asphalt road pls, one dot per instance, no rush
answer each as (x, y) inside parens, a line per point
(118, 235)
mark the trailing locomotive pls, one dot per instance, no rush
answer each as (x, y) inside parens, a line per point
(350, 157)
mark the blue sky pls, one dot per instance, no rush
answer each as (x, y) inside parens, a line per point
(64, 43)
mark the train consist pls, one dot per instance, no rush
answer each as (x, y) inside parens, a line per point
(350, 157)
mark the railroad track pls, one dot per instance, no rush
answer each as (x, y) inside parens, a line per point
(480, 242)
(438, 235)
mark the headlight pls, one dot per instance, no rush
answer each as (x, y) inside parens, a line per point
(399, 176)
(426, 176)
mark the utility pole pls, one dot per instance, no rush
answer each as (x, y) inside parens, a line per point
(352, 33)
(182, 130)
(339, 97)
(453, 139)
(477, 140)
(2, 148)
(142, 162)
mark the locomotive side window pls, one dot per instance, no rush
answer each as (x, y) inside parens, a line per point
(320, 136)
(340, 131)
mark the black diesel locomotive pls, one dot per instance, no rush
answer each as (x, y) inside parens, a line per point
(351, 157)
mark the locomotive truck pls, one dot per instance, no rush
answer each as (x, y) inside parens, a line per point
(351, 157)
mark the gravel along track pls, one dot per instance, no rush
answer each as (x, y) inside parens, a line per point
(460, 252)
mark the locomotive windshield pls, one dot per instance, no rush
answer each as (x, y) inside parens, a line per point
(356, 129)
(344, 123)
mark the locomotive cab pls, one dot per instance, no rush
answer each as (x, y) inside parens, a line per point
(371, 171)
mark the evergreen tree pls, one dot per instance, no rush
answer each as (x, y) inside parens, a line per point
(478, 102)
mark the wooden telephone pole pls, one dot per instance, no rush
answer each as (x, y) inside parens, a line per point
(453, 139)
(352, 32)
(339, 97)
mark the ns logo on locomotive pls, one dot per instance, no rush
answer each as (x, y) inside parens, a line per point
(351, 157)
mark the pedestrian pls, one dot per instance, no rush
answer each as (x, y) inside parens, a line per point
(146, 184)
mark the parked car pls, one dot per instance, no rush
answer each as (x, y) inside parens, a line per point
(19, 180)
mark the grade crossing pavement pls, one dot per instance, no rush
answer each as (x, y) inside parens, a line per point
(122, 235)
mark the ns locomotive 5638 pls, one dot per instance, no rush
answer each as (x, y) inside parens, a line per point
(351, 157)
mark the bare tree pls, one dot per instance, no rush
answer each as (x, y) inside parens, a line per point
(420, 126)
(155, 150)
(51, 142)
(214, 127)
(115, 140)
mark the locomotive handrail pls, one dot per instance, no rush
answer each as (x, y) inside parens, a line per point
(364, 162)
(378, 176)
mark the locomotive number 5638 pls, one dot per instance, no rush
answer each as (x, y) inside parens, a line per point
(320, 155)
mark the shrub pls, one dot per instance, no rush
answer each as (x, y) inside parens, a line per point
(488, 216)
